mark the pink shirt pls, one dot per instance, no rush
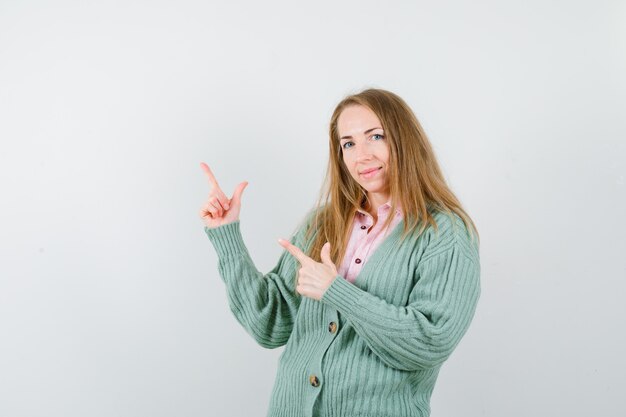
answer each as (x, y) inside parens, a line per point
(362, 244)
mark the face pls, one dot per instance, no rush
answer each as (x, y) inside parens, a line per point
(364, 147)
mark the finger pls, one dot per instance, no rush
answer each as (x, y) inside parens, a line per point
(209, 208)
(209, 174)
(238, 191)
(223, 200)
(295, 251)
(325, 254)
(204, 212)
(216, 205)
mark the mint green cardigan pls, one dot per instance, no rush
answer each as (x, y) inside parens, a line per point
(369, 349)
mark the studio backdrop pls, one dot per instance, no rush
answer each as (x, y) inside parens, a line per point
(110, 299)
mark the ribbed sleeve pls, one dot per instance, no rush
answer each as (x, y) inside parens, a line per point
(265, 305)
(422, 334)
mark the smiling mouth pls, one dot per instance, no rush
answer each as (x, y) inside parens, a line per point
(370, 171)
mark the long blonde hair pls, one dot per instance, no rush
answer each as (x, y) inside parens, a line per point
(415, 179)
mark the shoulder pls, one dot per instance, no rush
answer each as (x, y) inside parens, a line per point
(451, 233)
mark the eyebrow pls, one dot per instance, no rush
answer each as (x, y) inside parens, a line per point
(365, 133)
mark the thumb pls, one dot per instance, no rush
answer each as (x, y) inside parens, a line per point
(238, 191)
(325, 255)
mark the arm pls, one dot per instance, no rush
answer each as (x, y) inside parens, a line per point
(265, 305)
(423, 333)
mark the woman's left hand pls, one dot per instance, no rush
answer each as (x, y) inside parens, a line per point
(313, 277)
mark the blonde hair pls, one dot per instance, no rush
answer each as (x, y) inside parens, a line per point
(415, 179)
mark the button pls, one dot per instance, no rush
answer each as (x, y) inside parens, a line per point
(332, 327)
(363, 227)
(357, 260)
(314, 381)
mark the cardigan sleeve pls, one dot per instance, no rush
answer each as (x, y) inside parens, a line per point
(423, 333)
(264, 304)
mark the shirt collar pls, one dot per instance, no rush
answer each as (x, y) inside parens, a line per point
(381, 209)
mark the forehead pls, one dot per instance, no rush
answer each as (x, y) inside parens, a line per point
(356, 119)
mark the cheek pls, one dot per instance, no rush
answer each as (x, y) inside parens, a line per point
(383, 154)
(349, 165)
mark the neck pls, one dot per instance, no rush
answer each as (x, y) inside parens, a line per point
(373, 202)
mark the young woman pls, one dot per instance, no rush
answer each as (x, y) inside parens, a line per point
(379, 283)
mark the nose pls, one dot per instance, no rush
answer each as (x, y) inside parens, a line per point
(363, 152)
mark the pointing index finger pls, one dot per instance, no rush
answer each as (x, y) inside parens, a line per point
(209, 174)
(294, 250)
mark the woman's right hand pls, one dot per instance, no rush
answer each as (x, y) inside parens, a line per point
(218, 209)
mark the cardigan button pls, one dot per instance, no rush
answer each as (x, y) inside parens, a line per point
(357, 260)
(332, 327)
(314, 381)
(363, 227)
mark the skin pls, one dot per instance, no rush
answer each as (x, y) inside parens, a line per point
(360, 151)
(219, 209)
(362, 148)
(313, 277)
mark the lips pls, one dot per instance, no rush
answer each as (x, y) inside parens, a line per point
(369, 170)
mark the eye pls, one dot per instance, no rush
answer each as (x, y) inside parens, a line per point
(376, 134)
(344, 145)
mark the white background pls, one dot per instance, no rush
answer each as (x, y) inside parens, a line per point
(110, 299)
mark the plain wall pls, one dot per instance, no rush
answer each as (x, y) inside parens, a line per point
(110, 299)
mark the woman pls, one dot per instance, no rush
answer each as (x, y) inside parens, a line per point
(377, 286)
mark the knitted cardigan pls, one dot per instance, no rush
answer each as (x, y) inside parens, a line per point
(369, 349)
